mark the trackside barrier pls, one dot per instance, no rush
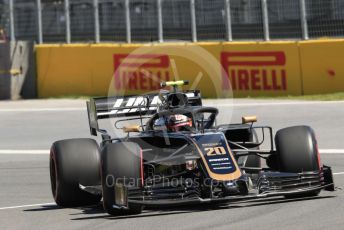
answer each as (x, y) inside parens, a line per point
(247, 68)
(109, 69)
(322, 66)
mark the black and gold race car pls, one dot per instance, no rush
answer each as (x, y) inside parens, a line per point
(173, 153)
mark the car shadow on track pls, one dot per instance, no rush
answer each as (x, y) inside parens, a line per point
(271, 201)
(97, 211)
(43, 208)
(153, 212)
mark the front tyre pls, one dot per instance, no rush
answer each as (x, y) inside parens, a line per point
(74, 162)
(121, 163)
(297, 152)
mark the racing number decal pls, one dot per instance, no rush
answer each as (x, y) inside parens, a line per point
(214, 151)
(216, 156)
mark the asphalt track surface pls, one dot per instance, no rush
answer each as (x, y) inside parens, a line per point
(29, 127)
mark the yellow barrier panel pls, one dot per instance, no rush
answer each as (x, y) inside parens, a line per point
(253, 69)
(64, 70)
(322, 66)
(125, 69)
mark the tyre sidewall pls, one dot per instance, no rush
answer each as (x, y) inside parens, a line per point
(297, 149)
(120, 160)
(74, 162)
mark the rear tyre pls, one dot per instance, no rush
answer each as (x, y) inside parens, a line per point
(74, 162)
(297, 152)
(120, 160)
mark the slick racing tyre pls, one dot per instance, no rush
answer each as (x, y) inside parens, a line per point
(121, 164)
(74, 162)
(297, 152)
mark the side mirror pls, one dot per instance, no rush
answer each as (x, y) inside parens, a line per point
(249, 119)
(131, 128)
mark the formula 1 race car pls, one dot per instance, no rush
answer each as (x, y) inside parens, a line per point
(176, 155)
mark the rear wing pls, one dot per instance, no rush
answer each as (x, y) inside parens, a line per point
(111, 107)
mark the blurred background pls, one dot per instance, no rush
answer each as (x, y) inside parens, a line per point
(311, 52)
(58, 21)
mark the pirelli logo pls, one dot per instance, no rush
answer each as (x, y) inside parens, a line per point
(261, 71)
(140, 71)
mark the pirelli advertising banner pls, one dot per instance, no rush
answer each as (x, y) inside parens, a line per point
(259, 69)
(100, 70)
(217, 69)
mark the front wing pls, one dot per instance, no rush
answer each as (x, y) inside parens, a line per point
(280, 184)
(229, 199)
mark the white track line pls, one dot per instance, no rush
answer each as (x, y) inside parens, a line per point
(21, 151)
(47, 151)
(338, 173)
(43, 110)
(331, 151)
(217, 104)
(248, 104)
(26, 206)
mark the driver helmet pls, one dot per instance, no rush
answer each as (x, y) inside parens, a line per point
(178, 122)
(174, 123)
